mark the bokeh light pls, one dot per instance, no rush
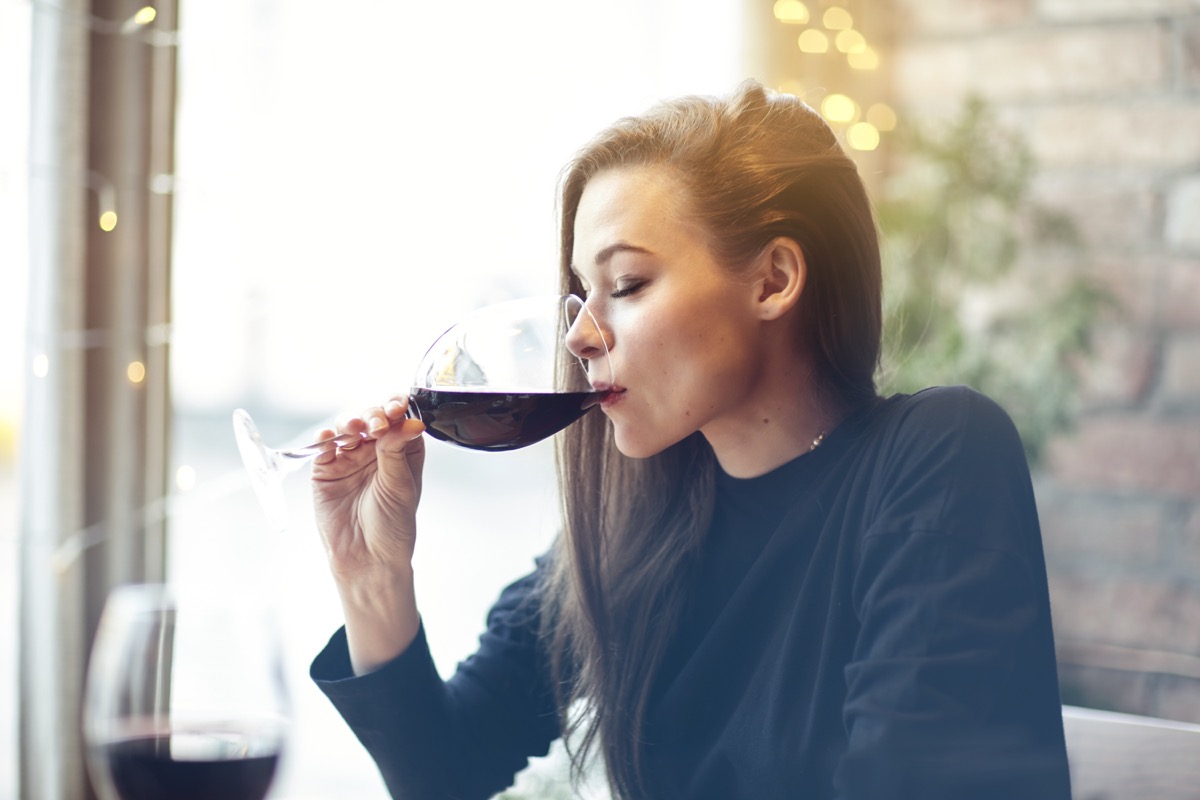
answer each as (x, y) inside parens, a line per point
(867, 58)
(136, 372)
(863, 136)
(837, 18)
(108, 221)
(839, 108)
(791, 12)
(185, 478)
(882, 117)
(813, 41)
(851, 41)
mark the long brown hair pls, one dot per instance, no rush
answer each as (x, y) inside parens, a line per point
(755, 166)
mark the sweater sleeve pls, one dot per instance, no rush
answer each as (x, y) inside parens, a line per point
(952, 689)
(462, 738)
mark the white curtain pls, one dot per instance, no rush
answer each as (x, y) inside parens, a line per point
(93, 452)
(348, 177)
(351, 179)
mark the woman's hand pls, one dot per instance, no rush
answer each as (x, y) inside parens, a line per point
(365, 497)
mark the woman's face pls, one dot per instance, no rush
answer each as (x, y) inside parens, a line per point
(682, 330)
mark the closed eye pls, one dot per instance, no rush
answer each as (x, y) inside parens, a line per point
(627, 289)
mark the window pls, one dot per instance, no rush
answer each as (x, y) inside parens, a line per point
(14, 260)
(349, 181)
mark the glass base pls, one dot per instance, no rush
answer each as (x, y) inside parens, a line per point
(263, 467)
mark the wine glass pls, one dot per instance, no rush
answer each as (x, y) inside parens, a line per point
(185, 697)
(501, 378)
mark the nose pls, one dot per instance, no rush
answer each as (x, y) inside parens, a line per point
(585, 339)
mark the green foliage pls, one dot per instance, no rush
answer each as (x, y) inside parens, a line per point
(963, 301)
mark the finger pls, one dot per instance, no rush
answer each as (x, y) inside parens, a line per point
(326, 456)
(355, 426)
(378, 421)
(401, 454)
(414, 453)
(352, 424)
(396, 408)
(399, 437)
(380, 418)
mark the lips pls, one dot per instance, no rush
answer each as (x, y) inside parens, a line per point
(615, 393)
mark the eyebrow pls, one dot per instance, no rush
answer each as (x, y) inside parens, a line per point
(605, 255)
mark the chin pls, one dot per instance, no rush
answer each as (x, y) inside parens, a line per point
(640, 446)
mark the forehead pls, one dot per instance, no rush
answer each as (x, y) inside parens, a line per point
(636, 205)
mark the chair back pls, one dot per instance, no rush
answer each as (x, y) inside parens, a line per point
(1127, 757)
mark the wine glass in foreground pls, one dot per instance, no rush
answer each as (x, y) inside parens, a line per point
(185, 698)
(501, 378)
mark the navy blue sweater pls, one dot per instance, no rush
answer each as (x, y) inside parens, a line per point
(870, 621)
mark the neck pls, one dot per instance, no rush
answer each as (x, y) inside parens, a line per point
(778, 420)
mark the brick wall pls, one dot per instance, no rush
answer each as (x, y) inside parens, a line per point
(1107, 93)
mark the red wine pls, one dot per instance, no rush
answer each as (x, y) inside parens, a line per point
(189, 767)
(498, 420)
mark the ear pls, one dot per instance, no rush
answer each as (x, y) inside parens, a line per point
(780, 277)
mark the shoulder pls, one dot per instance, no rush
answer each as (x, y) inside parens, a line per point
(948, 460)
(950, 405)
(945, 419)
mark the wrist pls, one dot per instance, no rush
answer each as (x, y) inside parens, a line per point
(381, 618)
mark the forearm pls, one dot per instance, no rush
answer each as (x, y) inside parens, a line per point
(431, 739)
(381, 617)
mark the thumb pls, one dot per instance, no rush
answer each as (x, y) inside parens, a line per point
(402, 449)
(414, 453)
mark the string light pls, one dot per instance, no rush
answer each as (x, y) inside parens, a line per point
(140, 19)
(813, 41)
(863, 132)
(136, 372)
(851, 41)
(136, 26)
(864, 59)
(106, 199)
(791, 12)
(882, 117)
(185, 478)
(863, 136)
(837, 18)
(839, 108)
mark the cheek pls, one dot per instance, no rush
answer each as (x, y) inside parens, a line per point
(682, 343)
(677, 334)
(707, 354)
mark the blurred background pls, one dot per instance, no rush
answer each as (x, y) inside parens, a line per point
(276, 205)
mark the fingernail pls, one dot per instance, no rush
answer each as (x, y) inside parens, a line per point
(376, 424)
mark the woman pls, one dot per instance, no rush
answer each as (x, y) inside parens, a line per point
(770, 582)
